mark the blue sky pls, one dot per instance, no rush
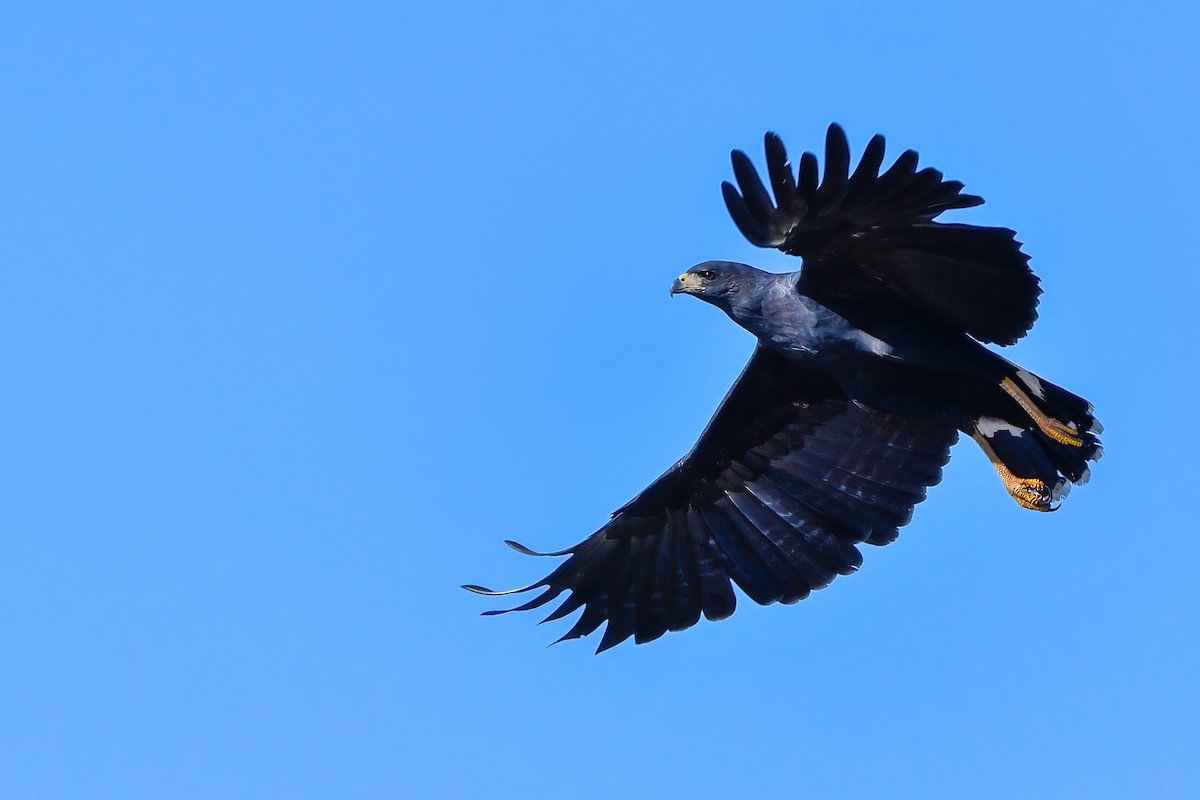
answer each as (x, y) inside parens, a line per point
(307, 307)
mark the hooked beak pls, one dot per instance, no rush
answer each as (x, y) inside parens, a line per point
(687, 283)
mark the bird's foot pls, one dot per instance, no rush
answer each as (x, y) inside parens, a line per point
(1031, 493)
(1063, 433)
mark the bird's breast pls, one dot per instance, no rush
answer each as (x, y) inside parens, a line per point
(801, 328)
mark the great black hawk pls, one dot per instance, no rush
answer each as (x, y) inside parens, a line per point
(869, 363)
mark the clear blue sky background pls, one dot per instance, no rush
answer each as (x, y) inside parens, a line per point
(306, 307)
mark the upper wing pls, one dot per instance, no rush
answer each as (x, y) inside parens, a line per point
(788, 476)
(866, 233)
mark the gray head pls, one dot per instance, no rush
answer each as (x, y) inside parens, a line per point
(722, 283)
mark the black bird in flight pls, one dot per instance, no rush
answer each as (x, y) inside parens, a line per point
(869, 363)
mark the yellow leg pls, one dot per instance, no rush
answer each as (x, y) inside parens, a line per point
(1056, 430)
(1029, 493)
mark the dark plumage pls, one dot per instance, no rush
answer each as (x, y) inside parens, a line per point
(869, 364)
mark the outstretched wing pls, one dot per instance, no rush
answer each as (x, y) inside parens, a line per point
(788, 477)
(867, 233)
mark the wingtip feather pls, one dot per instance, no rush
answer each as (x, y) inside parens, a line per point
(523, 550)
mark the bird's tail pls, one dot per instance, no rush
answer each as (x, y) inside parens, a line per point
(1040, 438)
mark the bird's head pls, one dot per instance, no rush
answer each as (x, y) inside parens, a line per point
(716, 282)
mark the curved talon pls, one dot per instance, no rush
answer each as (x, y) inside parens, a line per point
(1029, 493)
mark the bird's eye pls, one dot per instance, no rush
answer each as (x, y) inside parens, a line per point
(707, 274)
